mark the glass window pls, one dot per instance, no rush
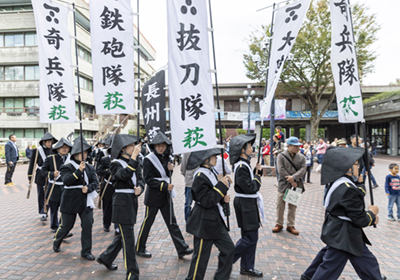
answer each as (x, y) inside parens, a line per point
(39, 132)
(19, 132)
(29, 102)
(30, 39)
(1, 40)
(2, 133)
(18, 72)
(1, 104)
(1, 73)
(29, 133)
(8, 131)
(31, 72)
(9, 104)
(9, 73)
(9, 40)
(19, 40)
(19, 104)
(7, 8)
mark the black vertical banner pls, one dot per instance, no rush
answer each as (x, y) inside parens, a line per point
(153, 104)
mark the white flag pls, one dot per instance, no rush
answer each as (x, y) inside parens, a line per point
(57, 101)
(111, 26)
(190, 87)
(344, 65)
(287, 25)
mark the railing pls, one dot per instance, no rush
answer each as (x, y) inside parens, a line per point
(383, 106)
(17, 111)
(90, 116)
(104, 128)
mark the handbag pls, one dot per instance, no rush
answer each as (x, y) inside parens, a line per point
(292, 196)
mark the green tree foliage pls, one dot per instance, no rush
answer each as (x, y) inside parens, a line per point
(309, 75)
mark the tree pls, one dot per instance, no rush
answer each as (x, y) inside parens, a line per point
(396, 83)
(309, 75)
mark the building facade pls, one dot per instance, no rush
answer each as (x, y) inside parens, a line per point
(19, 75)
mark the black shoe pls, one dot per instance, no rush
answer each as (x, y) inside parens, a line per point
(106, 229)
(309, 182)
(54, 230)
(145, 254)
(109, 267)
(116, 233)
(68, 235)
(305, 277)
(251, 272)
(384, 277)
(89, 257)
(185, 253)
(56, 248)
(43, 217)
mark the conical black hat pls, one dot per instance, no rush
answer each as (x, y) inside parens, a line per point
(76, 148)
(47, 136)
(236, 145)
(337, 161)
(108, 140)
(159, 139)
(120, 141)
(101, 141)
(61, 143)
(197, 158)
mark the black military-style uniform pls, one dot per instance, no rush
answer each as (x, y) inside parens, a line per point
(55, 199)
(345, 239)
(157, 198)
(125, 206)
(103, 172)
(98, 156)
(74, 201)
(208, 227)
(247, 214)
(40, 179)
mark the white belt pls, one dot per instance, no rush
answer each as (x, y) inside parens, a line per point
(57, 182)
(73, 187)
(39, 167)
(109, 182)
(260, 201)
(124, 191)
(220, 210)
(345, 218)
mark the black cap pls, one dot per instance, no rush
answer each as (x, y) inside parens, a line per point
(47, 136)
(77, 149)
(61, 143)
(236, 146)
(198, 157)
(120, 141)
(337, 161)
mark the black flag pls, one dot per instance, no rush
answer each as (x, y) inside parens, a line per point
(153, 104)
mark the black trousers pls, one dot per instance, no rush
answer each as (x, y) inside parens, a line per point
(40, 197)
(9, 172)
(107, 212)
(173, 229)
(67, 223)
(329, 264)
(245, 249)
(54, 206)
(308, 173)
(201, 255)
(126, 241)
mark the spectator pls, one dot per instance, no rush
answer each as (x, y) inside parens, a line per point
(292, 167)
(374, 148)
(266, 153)
(371, 164)
(308, 153)
(12, 156)
(328, 143)
(392, 189)
(278, 148)
(279, 134)
(28, 151)
(321, 149)
(342, 142)
(334, 143)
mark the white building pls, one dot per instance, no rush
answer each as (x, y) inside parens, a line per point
(19, 75)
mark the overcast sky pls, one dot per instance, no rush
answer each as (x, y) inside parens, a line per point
(234, 20)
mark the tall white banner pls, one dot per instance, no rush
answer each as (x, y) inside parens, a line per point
(190, 87)
(111, 28)
(56, 86)
(287, 25)
(344, 64)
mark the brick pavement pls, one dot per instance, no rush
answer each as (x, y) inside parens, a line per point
(26, 242)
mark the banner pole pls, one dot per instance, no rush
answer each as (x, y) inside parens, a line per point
(226, 205)
(138, 65)
(78, 83)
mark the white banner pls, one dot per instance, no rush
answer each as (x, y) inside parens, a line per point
(245, 125)
(111, 28)
(287, 25)
(344, 64)
(190, 87)
(57, 101)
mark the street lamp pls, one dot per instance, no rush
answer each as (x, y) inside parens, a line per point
(248, 96)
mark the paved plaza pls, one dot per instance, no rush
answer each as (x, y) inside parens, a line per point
(26, 242)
